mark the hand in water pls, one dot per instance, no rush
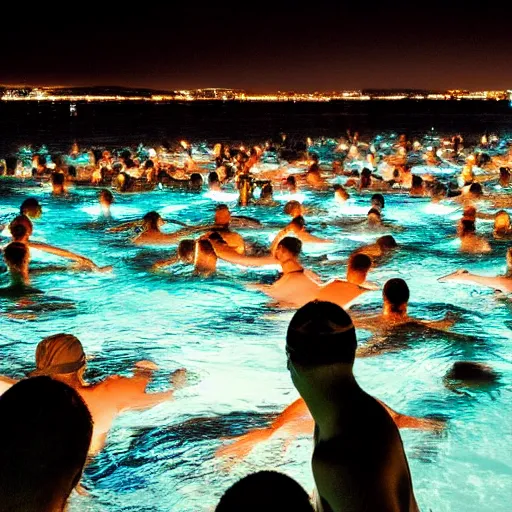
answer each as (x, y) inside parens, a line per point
(179, 378)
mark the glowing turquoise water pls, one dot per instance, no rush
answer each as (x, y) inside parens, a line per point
(232, 345)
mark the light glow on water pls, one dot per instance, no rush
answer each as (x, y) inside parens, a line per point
(233, 347)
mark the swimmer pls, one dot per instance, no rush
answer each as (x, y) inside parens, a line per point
(185, 254)
(382, 247)
(418, 187)
(504, 180)
(296, 420)
(502, 225)
(105, 198)
(378, 202)
(469, 374)
(395, 296)
(58, 180)
(470, 242)
(205, 257)
(291, 184)
(17, 258)
(340, 194)
(21, 230)
(294, 209)
(313, 177)
(62, 357)
(295, 287)
(31, 208)
(500, 283)
(151, 234)
(343, 293)
(357, 444)
(297, 227)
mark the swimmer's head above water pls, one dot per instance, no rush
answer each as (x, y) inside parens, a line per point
(31, 208)
(288, 248)
(205, 258)
(222, 215)
(502, 225)
(152, 221)
(378, 202)
(17, 258)
(359, 265)
(386, 243)
(374, 217)
(105, 198)
(186, 250)
(396, 297)
(293, 208)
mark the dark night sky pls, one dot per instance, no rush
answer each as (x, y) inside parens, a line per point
(323, 49)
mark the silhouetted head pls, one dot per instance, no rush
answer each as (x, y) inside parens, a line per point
(417, 181)
(186, 249)
(152, 221)
(340, 194)
(471, 372)
(106, 198)
(31, 208)
(298, 224)
(476, 189)
(321, 333)
(396, 295)
(17, 257)
(378, 201)
(45, 435)
(24, 221)
(386, 243)
(374, 217)
(265, 491)
(467, 227)
(19, 232)
(266, 191)
(196, 180)
(293, 208)
(213, 179)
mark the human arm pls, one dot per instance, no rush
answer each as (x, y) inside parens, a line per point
(6, 383)
(404, 421)
(63, 253)
(164, 263)
(226, 253)
(500, 283)
(125, 226)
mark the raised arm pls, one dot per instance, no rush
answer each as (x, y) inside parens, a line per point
(500, 283)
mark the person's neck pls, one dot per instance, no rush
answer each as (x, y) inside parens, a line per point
(291, 265)
(19, 277)
(329, 396)
(393, 314)
(356, 277)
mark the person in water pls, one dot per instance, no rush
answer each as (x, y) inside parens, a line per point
(499, 283)
(297, 227)
(151, 234)
(469, 374)
(341, 196)
(395, 297)
(344, 292)
(502, 225)
(470, 242)
(382, 247)
(105, 198)
(265, 491)
(62, 357)
(58, 180)
(45, 437)
(295, 287)
(17, 258)
(184, 254)
(359, 462)
(21, 230)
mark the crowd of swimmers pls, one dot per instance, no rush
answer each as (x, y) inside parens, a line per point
(57, 421)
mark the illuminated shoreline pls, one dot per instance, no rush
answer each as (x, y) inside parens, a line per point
(18, 94)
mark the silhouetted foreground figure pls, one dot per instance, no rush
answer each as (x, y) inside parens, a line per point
(266, 491)
(359, 463)
(45, 434)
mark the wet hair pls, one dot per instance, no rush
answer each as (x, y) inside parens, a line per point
(504, 172)
(374, 211)
(16, 253)
(290, 206)
(266, 191)
(467, 226)
(206, 247)
(45, 434)
(106, 195)
(386, 242)
(186, 250)
(476, 189)
(24, 221)
(469, 213)
(196, 179)
(502, 220)
(396, 292)
(18, 231)
(417, 181)
(58, 178)
(298, 222)
(213, 177)
(321, 333)
(291, 244)
(360, 262)
(378, 200)
(150, 220)
(30, 206)
(468, 370)
(267, 491)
